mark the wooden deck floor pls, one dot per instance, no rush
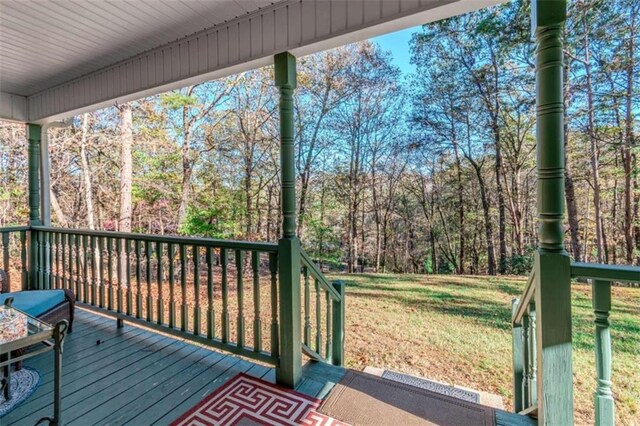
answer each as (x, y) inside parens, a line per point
(137, 377)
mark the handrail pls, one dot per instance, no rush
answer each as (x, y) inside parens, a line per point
(523, 303)
(323, 326)
(315, 271)
(593, 271)
(14, 228)
(204, 242)
(526, 349)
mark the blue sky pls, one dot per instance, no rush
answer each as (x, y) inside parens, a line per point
(398, 44)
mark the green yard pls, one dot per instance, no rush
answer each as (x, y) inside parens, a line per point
(457, 330)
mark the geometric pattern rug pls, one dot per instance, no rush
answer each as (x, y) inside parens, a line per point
(246, 400)
(23, 384)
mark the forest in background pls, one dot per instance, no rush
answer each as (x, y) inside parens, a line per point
(432, 172)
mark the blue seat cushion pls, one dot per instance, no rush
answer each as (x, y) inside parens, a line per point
(36, 302)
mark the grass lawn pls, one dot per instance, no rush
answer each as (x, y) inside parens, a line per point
(457, 330)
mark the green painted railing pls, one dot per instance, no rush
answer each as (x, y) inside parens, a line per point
(525, 348)
(323, 311)
(217, 293)
(205, 290)
(14, 255)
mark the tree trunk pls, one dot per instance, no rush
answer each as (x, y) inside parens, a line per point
(187, 163)
(126, 183)
(126, 168)
(86, 173)
(593, 147)
(630, 213)
(62, 219)
(488, 227)
(569, 188)
(499, 190)
(460, 268)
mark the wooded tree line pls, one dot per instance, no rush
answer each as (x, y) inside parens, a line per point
(428, 172)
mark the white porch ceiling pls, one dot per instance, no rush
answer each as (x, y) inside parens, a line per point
(45, 43)
(59, 58)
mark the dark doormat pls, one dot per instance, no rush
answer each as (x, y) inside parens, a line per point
(363, 399)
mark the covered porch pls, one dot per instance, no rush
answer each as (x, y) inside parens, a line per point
(268, 302)
(138, 377)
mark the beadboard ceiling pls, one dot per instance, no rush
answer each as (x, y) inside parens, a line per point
(45, 43)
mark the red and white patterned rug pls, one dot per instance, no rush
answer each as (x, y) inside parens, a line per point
(246, 400)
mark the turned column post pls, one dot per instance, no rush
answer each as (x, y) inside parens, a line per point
(289, 370)
(552, 264)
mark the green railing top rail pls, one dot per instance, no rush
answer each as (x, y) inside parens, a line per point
(204, 242)
(594, 271)
(14, 229)
(317, 274)
(527, 296)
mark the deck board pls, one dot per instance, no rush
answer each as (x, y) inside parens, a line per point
(138, 377)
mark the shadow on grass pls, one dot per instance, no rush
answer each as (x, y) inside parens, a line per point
(495, 314)
(486, 312)
(510, 290)
(383, 282)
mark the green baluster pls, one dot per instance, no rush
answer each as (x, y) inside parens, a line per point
(85, 269)
(196, 285)
(94, 267)
(44, 263)
(275, 326)
(526, 352)
(129, 290)
(5, 256)
(159, 256)
(148, 253)
(102, 283)
(50, 259)
(318, 318)
(601, 301)
(77, 243)
(120, 273)
(329, 339)
(172, 283)
(184, 312)
(240, 294)
(42, 284)
(110, 304)
(517, 359)
(211, 313)
(56, 243)
(307, 307)
(63, 248)
(138, 249)
(257, 321)
(533, 368)
(23, 260)
(225, 296)
(73, 275)
(337, 320)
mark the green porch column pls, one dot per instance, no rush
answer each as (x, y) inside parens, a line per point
(34, 132)
(289, 370)
(552, 263)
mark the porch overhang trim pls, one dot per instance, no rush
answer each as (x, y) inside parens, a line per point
(13, 107)
(299, 26)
